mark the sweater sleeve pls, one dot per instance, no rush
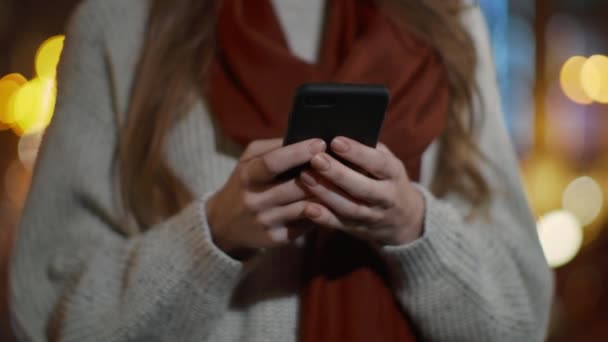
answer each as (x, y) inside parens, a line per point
(74, 275)
(484, 279)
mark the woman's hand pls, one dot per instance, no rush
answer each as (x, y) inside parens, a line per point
(253, 210)
(386, 209)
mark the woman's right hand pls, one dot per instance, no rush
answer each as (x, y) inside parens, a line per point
(252, 210)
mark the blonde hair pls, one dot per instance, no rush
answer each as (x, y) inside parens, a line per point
(179, 43)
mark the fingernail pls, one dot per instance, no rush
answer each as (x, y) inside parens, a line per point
(317, 146)
(340, 145)
(308, 179)
(313, 211)
(320, 162)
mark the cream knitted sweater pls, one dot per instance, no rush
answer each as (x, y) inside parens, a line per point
(461, 281)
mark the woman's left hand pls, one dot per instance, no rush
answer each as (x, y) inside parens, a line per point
(386, 209)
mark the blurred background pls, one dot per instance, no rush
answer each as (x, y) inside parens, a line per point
(553, 76)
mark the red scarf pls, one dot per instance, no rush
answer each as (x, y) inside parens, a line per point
(346, 294)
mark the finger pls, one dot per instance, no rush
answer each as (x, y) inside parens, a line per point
(275, 226)
(337, 201)
(266, 168)
(281, 216)
(277, 236)
(324, 217)
(352, 182)
(260, 147)
(278, 195)
(281, 235)
(384, 148)
(379, 163)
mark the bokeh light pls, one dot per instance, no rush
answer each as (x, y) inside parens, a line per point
(521, 34)
(7, 89)
(31, 107)
(594, 78)
(519, 102)
(47, 57)
(583, 197)
(570, 80)
(27, 107)
(9, 84)
(561, 237)
(15, 77)
(545, 177)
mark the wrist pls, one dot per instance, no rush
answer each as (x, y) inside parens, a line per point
(414, 226)
(214, 227)
(220, 239)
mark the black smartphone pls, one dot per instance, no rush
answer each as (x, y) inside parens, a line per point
(328, 110)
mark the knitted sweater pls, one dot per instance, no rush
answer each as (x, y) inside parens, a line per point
(76, 277)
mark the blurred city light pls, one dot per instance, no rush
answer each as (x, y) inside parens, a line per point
(561, 237)
(15, 77)
(48, 56)
(594, 78)
(571, 81)
(7, 89)
(583, 197)
(32, 106)
(511, 27)
(519, 105)
(545, 178)
(27, 107)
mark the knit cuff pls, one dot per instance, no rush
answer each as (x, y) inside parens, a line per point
(441, 248)
(215, 263)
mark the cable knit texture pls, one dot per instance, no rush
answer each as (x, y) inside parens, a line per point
(76, 277)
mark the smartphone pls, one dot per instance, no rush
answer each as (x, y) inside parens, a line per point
(328, 110)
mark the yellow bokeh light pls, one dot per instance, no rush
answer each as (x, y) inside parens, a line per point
(31, 107)
(594, 78)
(545, 177)
(48, 56)
(7, 89)
(583, 197)
(561, 237)
(27, 107)
(17, 78)
(570, 80)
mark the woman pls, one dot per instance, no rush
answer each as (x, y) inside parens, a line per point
(155, 213)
